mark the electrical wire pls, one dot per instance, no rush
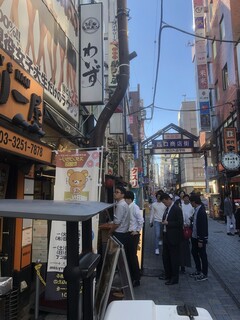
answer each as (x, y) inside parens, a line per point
(166, 25)
(162, 26)
(195, 110)
(232, 104)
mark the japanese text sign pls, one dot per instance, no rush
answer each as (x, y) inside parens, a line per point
(134, 177)
(230, 140)
(91, 54)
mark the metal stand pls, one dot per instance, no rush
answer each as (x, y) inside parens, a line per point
(80, 267)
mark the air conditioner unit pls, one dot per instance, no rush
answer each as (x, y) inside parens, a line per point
(211, 86)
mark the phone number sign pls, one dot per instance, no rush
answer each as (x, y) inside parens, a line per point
(20, 145)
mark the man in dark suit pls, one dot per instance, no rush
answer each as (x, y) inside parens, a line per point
(172, 236)
(199, 239)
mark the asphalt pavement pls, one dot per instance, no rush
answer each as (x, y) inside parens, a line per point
(220, 294)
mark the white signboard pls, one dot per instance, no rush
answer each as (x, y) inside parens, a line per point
(92, 72)
(231, 161)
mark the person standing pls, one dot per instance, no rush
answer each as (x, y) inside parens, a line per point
(136, 224)
(229, 213)
(185, 254)
(199, 239)
(156, 215)
(237, 218)
(180, 200)
(172, 236)
(121, 220)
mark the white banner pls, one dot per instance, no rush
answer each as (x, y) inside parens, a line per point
(92, 54)
(77, 179)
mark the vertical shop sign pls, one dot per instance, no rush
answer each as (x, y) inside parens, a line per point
(230, 140)
(91, 54)
(113, 53)
(201, 66)
(134, 177)
(77, 179)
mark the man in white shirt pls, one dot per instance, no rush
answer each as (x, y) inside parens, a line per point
(136, 224)
(156, 215)
(120, 225)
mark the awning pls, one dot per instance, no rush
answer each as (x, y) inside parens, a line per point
(235, 179)
(60, 121)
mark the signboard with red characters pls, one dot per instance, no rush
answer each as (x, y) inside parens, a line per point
(134, 177)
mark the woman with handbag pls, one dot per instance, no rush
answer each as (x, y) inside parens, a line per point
(185, 253)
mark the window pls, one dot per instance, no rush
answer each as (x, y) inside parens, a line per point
(214, 49)
(198, 172)
(225, 77)
(222, 29)
(216, 91)
(238, 61)
(210, 10)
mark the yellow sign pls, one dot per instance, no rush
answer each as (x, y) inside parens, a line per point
(21, 145)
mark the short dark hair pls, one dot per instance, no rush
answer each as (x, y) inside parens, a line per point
(165, 196)
(129, 195)
(196, 199)
(159, 193)
(121, 189)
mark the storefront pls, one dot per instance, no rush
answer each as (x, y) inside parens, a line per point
(21, 149)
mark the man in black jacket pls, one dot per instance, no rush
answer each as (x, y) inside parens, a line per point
(172, 235)
(199, 239)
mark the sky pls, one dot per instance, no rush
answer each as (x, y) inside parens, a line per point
(176, 78)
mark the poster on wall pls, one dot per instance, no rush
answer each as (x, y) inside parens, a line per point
(77, 179)
(43, 38)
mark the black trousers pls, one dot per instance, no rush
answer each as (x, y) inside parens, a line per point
(171, 259)
(200, 257)
(132, 256)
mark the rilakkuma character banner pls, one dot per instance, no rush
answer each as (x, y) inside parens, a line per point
(77, 175)
(77, 179)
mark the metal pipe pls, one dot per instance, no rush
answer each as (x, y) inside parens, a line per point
(37, 294)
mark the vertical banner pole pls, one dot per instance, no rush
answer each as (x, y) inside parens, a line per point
(73, 284)
(88, 282)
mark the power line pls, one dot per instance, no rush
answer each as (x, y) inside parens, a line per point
(198, 36)
(194, 110)
(163, 25)
(232, 104)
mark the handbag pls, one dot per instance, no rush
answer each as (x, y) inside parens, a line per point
(187, 232)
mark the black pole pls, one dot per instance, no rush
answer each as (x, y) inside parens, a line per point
(88, 282)
(73, 286)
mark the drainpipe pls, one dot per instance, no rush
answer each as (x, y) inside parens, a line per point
(97, 137)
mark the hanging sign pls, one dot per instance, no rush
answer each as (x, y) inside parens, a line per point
(231, 161)
(230, 139)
